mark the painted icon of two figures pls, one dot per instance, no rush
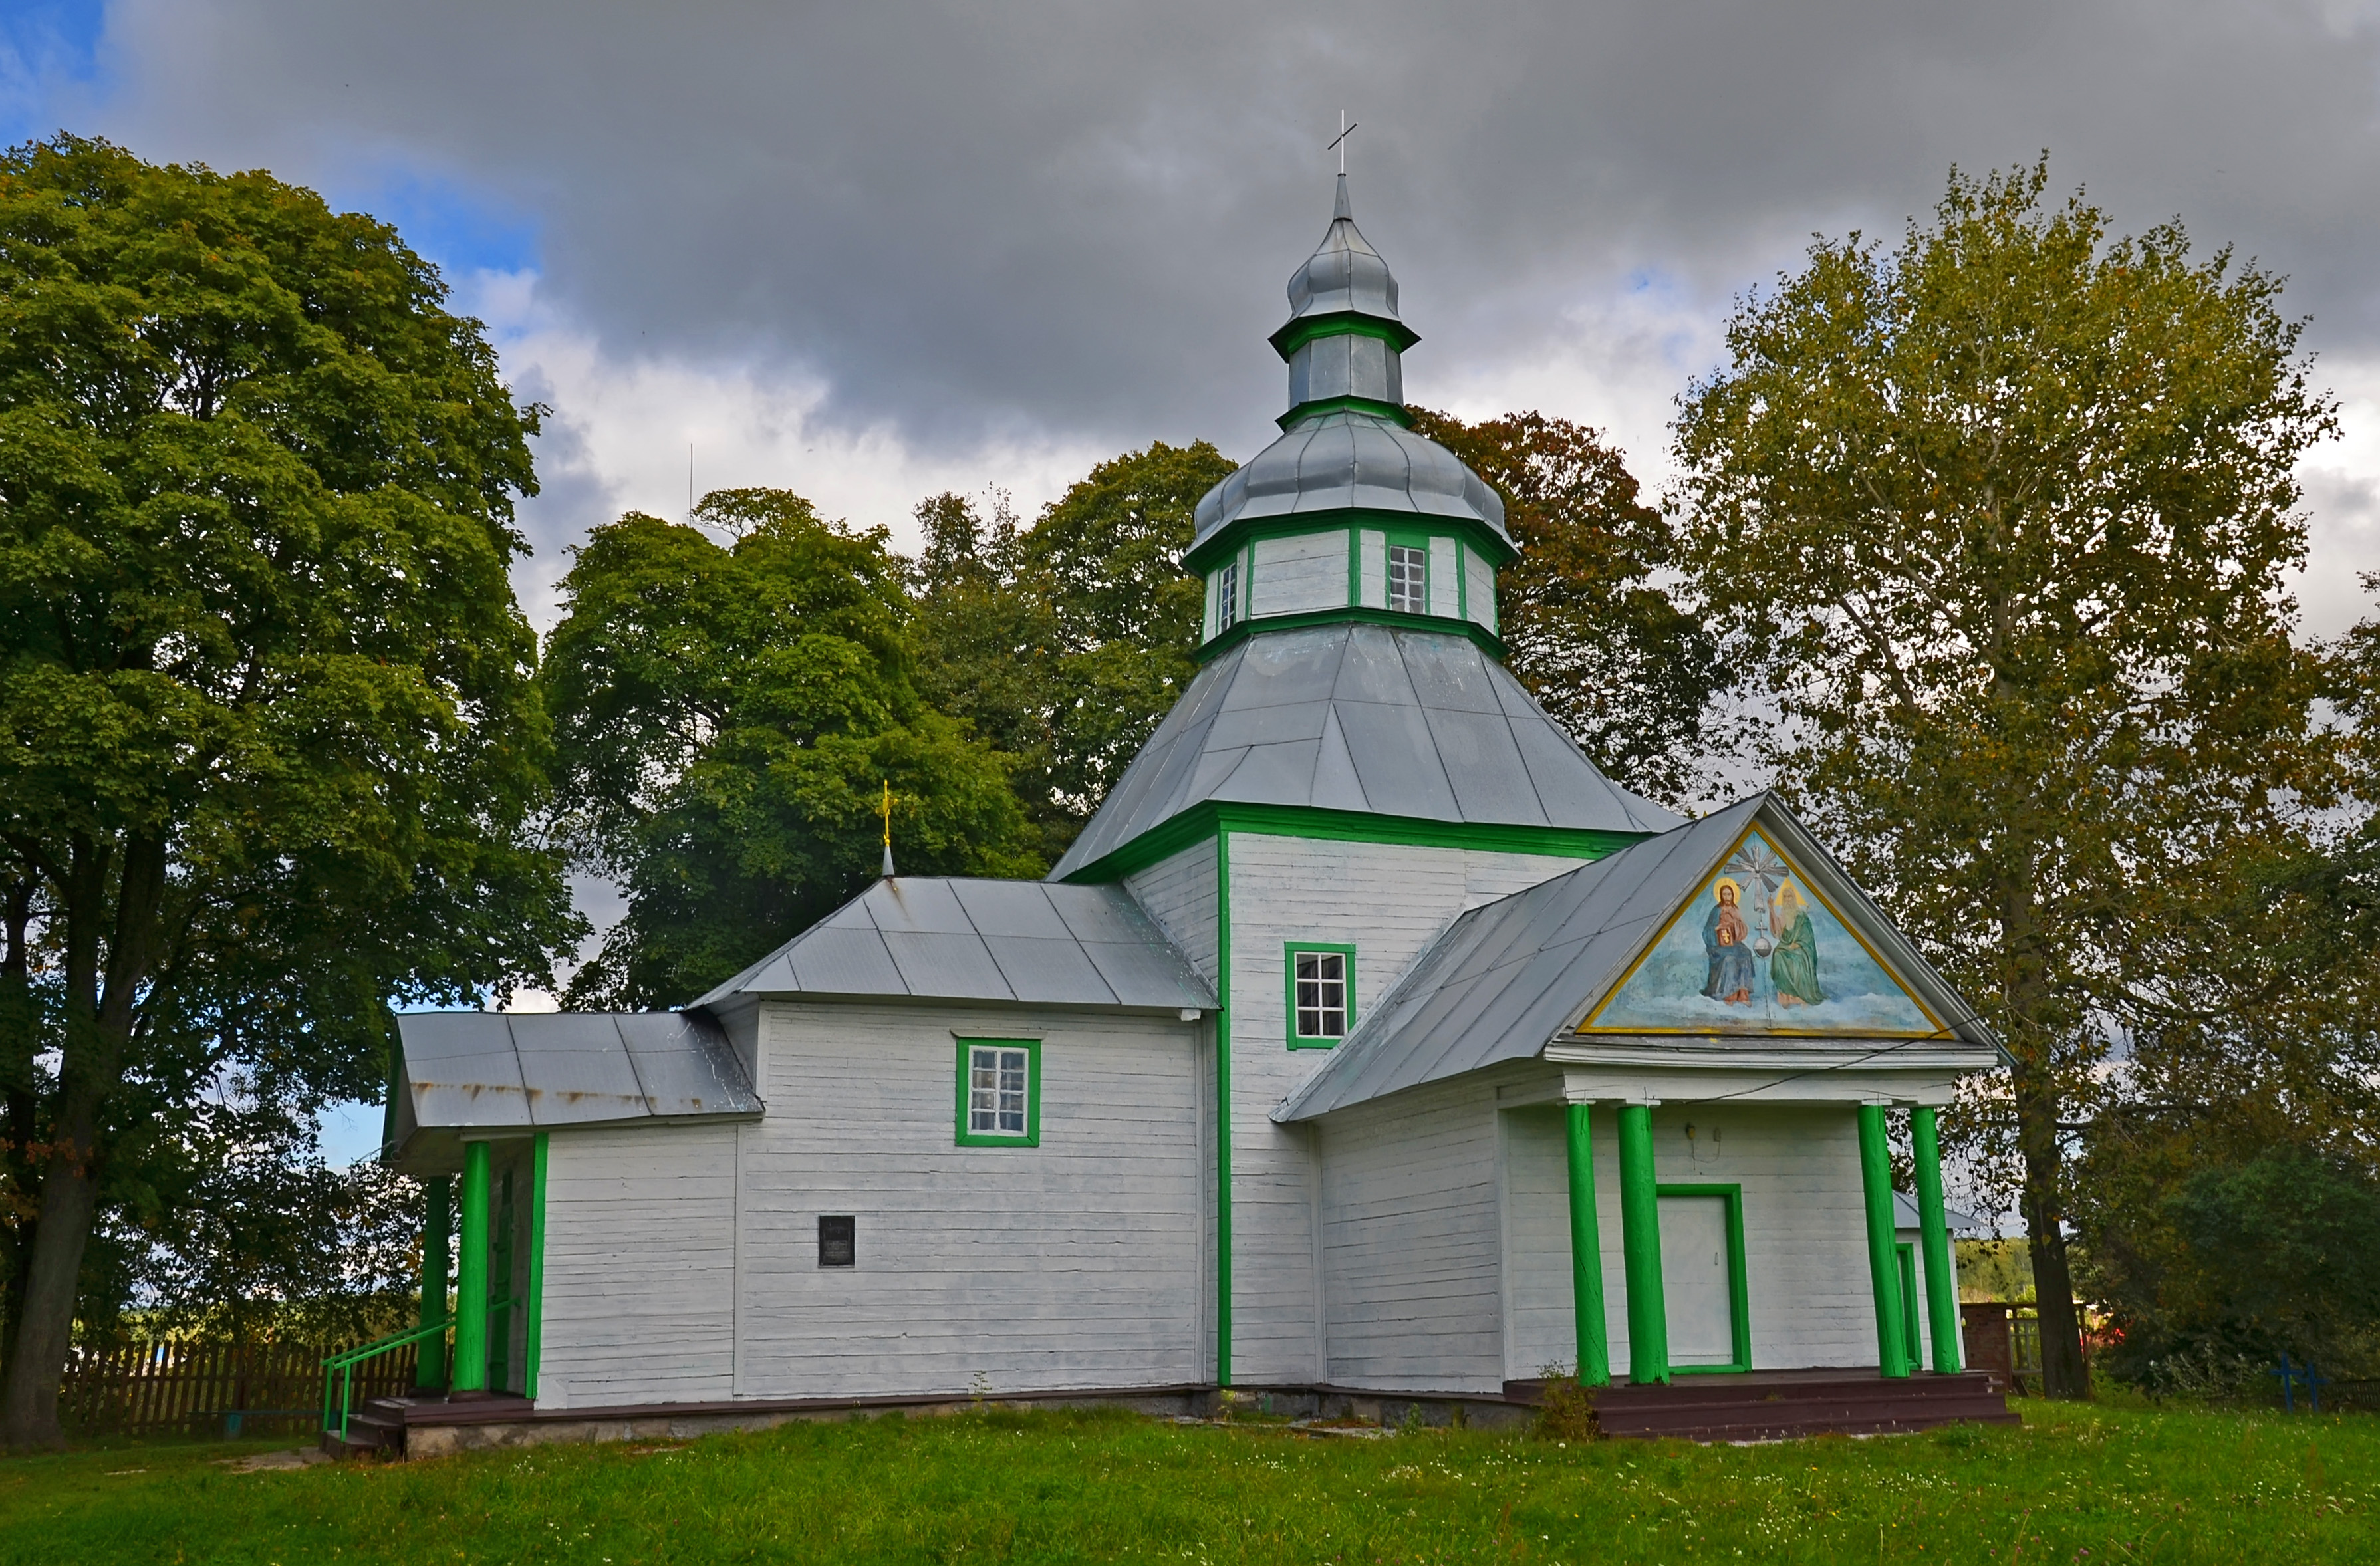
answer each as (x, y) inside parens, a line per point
(1790, 948)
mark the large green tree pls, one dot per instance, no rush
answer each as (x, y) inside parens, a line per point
(1066, 642)
(727, 717)
(2001, 519)
(269, 735)
(1589, 611)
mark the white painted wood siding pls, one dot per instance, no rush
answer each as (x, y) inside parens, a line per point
(1372, 572)
(1479, 589)
(639, 1265)
(1388, 901)
(1076, 1264)
(1804, 1234)
(1411, 1242)
(1445, 585)
(1179, 894)
(1296, 574)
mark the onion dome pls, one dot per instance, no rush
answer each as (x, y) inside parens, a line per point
(1345, 454)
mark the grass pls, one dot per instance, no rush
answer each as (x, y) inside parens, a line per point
(2093, 1484)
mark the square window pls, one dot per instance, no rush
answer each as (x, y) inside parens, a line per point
(1320, 999)
(838, 1240)
(1408, 580)
(1000, 1093)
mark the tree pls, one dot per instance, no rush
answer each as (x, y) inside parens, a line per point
(272, 739)
(1592, 630)
(727, 720)
(2000, 521)
(1072, 638)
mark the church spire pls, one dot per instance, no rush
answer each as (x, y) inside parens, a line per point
(1344, 339)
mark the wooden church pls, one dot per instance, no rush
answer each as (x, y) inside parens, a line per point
(1369, 1053)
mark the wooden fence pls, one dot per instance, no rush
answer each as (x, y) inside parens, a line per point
(212, 1389)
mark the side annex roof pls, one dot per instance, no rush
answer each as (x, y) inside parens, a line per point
(1505, 980)
(959, 939)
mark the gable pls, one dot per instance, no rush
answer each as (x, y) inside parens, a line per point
(1759, 949)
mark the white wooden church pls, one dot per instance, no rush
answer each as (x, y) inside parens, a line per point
(1370, 1049)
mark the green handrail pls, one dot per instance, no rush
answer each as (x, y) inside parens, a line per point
(342, 1366)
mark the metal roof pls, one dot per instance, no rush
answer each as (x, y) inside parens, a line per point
(962, 940)
(1361, 717)
(1347, 460)
(463, 1070)
(1344, 272)
(1506, 978)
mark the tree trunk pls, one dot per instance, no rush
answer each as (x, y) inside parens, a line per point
(99, 997)
(2063, 1371)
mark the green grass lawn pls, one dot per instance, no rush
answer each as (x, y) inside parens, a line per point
(2091, 1483)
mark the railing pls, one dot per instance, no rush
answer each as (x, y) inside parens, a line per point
(339, 1369)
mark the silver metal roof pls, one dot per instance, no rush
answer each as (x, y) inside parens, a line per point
(1361, 717)
(1344, 272)
(476, 1070)
(1346, 460)
(960, 940)
(1506, 978)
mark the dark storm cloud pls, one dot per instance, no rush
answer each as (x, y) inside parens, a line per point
(1078, 218)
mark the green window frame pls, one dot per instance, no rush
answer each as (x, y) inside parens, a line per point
(990, 1095)
(1737, 1296)
(1291, 951)
(1399, 538)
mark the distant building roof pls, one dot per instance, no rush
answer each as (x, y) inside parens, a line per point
(478, 1071)
(930, 938)
(1506, 978)
(1369, 718)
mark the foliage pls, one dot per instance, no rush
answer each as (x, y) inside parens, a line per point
(2205, 1261)
(2001, 522)
(1067, 641)
(2074, 1484)
(726, 717)
(273, 745)
(1593, 625)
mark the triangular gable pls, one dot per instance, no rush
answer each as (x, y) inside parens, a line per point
(1759, 948)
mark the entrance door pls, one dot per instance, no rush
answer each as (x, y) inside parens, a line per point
(1695, 1279)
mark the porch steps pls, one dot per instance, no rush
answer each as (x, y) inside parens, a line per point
(1781, 1404)
(377, 1427)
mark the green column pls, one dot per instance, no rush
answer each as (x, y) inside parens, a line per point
(1934, 1241)
(1587, 1256)
(471, 1275)
(500, 1314)
(430, 1361)
(534, 1338)
(1882, 1260)
(1640, 1242)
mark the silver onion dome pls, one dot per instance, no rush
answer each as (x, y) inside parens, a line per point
(1345, 446)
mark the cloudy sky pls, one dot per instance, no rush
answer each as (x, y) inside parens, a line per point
(873, 251)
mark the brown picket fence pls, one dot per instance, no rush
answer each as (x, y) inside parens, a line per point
(212, 1389)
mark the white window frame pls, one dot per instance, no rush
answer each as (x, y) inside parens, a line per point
(1411, 596)
(998, 1093)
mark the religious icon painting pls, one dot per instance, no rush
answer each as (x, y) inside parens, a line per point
(1756, 950)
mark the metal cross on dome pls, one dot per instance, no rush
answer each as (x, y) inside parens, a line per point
(1340, 140)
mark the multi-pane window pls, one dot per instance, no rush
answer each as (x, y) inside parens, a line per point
(1408, 580)
(1000, 1095)
(1318, 995)
(1227, 597)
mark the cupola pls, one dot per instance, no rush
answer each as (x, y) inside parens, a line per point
(1349, 515)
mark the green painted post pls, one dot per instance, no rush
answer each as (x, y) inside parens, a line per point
(535, 1335)
(430, 1362)
(1640, 1242)
(1586, 1254)
(1882, 1260)
(471, 1275)
(1934, 1241)
(500, 1315)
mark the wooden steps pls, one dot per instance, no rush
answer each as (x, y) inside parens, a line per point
(1780, 1404)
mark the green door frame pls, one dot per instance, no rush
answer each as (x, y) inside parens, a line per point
(1738, 1295)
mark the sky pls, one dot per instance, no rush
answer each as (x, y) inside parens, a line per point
(871, 253)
